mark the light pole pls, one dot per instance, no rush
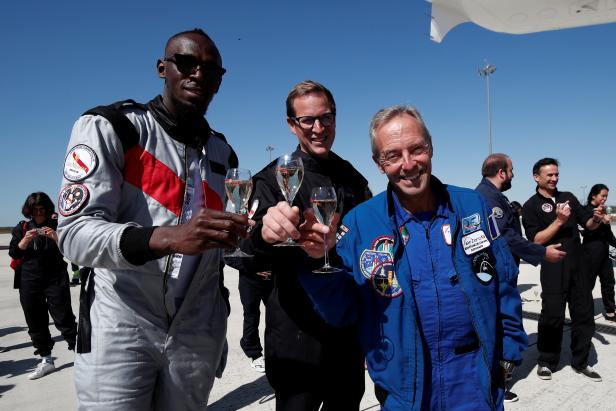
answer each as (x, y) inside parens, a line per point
(270, 149)
(485, 72)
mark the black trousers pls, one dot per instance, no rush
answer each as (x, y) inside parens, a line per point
(605, 272)
(337, 383)
(40, 296)
(306, 370)
(253, 290)
(565, 282)
(597, 258)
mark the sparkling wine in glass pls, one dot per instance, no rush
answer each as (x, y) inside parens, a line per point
(238, 186)
(289, 175)
(323, 200)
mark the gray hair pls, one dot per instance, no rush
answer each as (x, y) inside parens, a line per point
(385, 115)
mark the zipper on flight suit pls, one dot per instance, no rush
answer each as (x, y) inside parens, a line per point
(454, 242)
(170, 256)
(438, 346)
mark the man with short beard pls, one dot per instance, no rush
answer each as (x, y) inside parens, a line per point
(497, 172)
(150, 222)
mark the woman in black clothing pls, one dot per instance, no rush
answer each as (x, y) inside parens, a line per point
(596, 250)
(42, 279)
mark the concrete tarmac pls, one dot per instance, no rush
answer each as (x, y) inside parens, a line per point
(242, 388)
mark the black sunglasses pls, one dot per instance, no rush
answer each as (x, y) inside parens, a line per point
(188, 65)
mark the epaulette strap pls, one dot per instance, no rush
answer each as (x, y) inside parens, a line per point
(126, 131)
(233, 159)
(220, 135)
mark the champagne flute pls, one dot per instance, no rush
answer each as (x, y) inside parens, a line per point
(323, 200)
(238, 186)
(289, 175)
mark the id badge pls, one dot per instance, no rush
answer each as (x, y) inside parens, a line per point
(176, 263)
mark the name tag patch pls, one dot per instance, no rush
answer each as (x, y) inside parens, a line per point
(475, 242)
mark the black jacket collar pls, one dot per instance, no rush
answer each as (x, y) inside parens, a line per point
(193, 135)
(325, 166)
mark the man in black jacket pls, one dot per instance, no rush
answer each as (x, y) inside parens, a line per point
(307, 362)
(497, 172)
(552, 217)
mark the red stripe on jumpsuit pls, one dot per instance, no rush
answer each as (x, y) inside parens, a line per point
(154, 178)
(211, 198)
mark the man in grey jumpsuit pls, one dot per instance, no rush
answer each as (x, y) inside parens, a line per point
(149, 219)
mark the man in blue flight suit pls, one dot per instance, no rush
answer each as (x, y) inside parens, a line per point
(432, 291)
(497, 172)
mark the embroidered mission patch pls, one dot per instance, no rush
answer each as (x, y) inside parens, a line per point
(80, 162)
(497, 212)
(383, 243)
(471, 223)
(483, 268)
(369, 259)
(547, 207)
(384, 280)
(72, 198)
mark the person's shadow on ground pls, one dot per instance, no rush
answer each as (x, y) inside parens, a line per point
(11, 330)
(531, 355)
(12, 368)
(257, 390)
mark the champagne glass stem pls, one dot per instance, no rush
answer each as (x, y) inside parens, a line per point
(325, 251)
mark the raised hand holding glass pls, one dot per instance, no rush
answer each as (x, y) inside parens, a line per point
(238, 186)
(289, 175)
(324, 201)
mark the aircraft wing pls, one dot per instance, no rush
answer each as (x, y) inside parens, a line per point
(519, 16)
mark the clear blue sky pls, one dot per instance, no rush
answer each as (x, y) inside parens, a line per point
(554, 93)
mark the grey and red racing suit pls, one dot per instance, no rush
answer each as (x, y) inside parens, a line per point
(147, 351)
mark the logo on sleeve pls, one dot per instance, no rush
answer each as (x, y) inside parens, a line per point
(384, 280)
(342, 230)
(547, 207)
(475, 242)
(471, 223)
(493, 224)
(80, 162)
(72, 199)
(497, 212)
(483, 268)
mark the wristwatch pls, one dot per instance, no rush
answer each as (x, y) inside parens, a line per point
(508, 366)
